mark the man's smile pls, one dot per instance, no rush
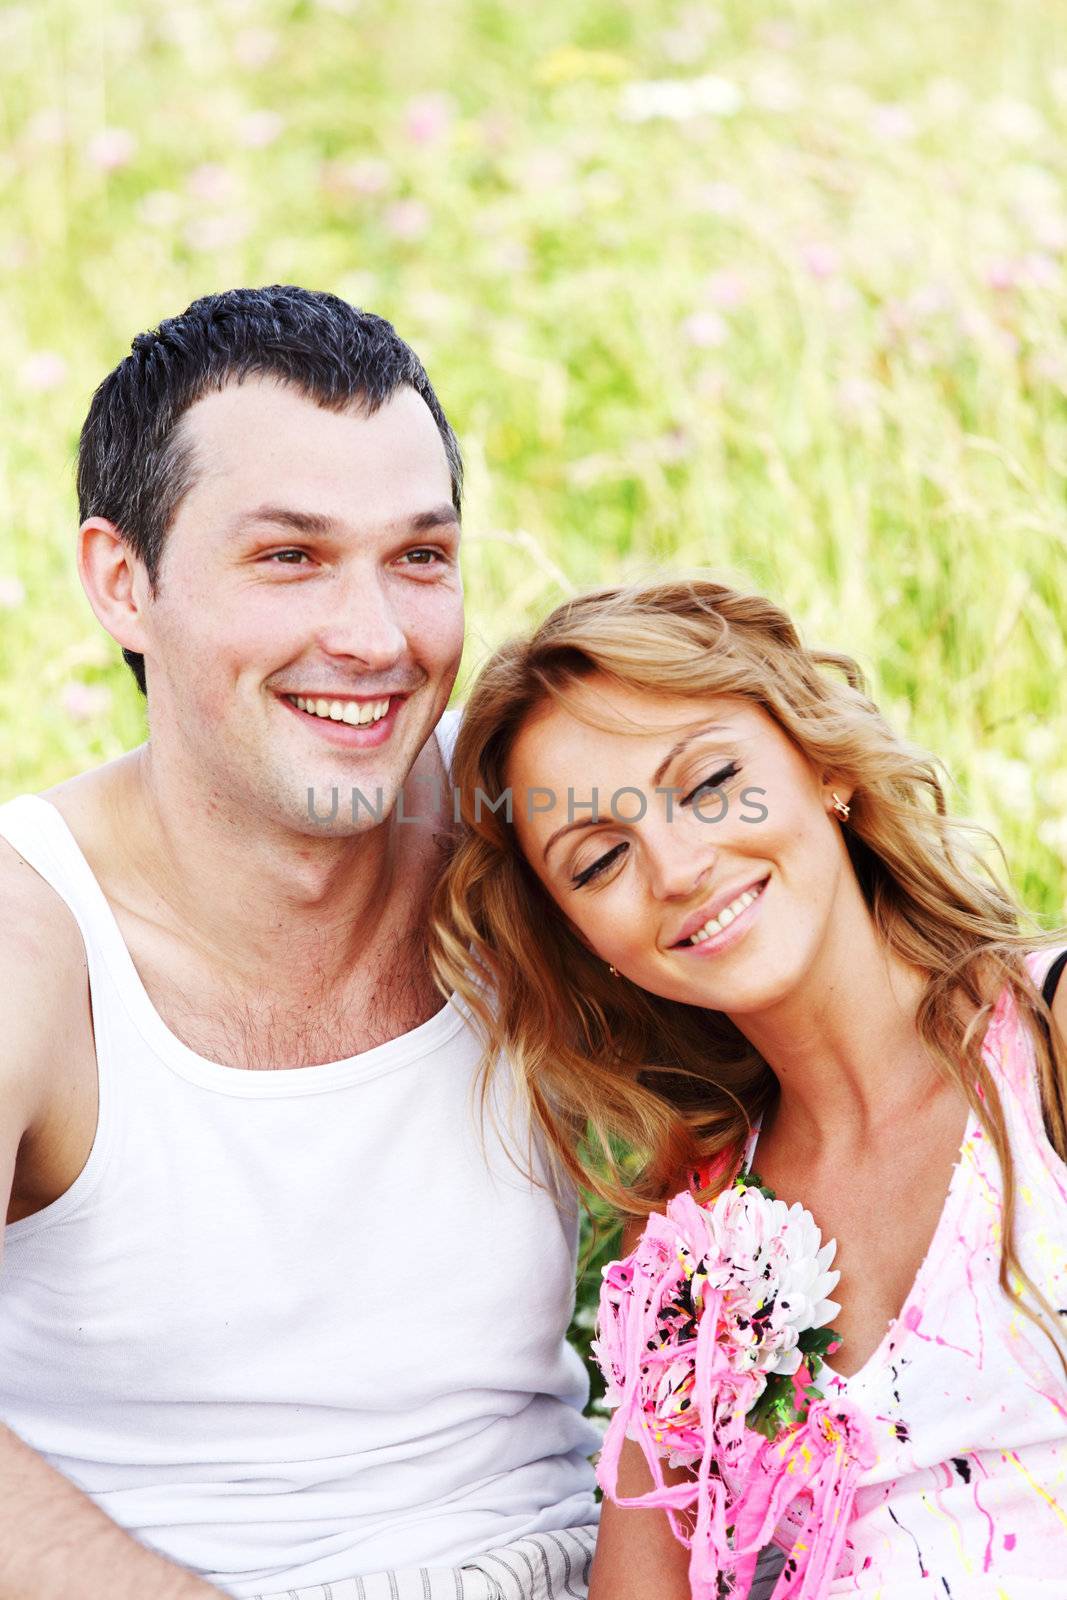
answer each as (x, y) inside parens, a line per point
(354, 712)
(357, 724)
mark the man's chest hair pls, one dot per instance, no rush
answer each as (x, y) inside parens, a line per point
(282, 1025)
(303, 1011)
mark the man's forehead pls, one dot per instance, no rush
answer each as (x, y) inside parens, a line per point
(266, 443)
(242, 416)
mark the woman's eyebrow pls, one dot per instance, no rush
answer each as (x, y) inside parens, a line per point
(683, 744)
(569, 827)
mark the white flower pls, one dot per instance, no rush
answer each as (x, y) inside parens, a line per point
(741, 1280)
(680, 99)
(769, 1261)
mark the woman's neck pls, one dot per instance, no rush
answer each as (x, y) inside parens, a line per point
(843, 1041)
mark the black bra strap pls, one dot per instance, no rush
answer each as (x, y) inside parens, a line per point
(1052, 977)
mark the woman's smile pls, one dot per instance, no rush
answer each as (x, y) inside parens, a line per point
(723, 922)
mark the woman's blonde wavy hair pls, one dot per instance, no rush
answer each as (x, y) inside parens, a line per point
(603, 1064)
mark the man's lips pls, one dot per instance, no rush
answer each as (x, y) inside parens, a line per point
(711, 909)
(354, 710)
(343, 730)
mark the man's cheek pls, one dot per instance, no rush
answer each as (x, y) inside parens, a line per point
(438, 625)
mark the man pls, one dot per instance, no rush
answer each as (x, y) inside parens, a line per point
(276, 1313)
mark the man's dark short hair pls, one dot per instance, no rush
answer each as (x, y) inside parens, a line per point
(134, 464)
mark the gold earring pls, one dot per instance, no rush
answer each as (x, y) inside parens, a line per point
(613, 970)
(840, 806)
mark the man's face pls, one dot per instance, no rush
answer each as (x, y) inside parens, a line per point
(314, 560)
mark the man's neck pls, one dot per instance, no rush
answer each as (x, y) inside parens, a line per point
(256, 899)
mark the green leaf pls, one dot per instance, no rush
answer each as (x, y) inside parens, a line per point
(752, 1180)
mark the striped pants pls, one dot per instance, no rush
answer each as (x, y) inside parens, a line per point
(546, 1566)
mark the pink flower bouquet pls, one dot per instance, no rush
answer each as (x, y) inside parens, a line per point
(710, 1336)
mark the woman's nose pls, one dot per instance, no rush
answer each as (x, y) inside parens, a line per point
(678, 865)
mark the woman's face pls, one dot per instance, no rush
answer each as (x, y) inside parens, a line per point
(722, 893)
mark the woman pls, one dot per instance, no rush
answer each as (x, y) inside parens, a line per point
(727, 916)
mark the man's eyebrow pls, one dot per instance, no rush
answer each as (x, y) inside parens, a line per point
(312, 522)
(594, 822)
(285, 517)
(439, 517)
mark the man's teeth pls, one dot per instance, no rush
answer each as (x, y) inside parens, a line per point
(726, 916)
(350, 711)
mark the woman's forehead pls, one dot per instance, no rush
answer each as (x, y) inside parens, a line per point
(597, 711)
(642, 736)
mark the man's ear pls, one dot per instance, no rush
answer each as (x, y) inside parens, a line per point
(115, 581)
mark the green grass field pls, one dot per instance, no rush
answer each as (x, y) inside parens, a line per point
(775, 288)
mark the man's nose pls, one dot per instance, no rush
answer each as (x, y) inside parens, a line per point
(363, 624)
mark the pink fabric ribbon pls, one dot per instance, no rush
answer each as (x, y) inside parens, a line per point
(744, 1484)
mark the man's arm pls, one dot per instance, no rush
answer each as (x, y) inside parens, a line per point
(54, 1542)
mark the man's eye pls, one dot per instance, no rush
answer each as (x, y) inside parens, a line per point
(715, 781)
(422, 557)
(288, 558)
(598, 866)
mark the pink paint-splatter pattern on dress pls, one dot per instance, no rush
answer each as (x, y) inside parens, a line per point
(965, 1398)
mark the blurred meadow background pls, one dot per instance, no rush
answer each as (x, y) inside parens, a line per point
(779, 288)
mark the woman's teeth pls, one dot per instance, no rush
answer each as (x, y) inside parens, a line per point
(725, 917)
(349, 711)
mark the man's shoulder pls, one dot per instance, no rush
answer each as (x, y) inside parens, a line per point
(447, 733)
(41, 945)
(42, 963)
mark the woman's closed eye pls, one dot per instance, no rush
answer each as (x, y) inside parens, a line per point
(715, 781)
(587, 874)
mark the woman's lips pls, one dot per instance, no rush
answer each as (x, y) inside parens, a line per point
(729, 933)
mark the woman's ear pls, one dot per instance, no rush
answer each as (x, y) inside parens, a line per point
(576, 933)
(837, 796)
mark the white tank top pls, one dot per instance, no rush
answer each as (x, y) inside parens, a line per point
(966, 1400)
(294, 1326)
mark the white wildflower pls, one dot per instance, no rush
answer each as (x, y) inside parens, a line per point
(680, 99)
